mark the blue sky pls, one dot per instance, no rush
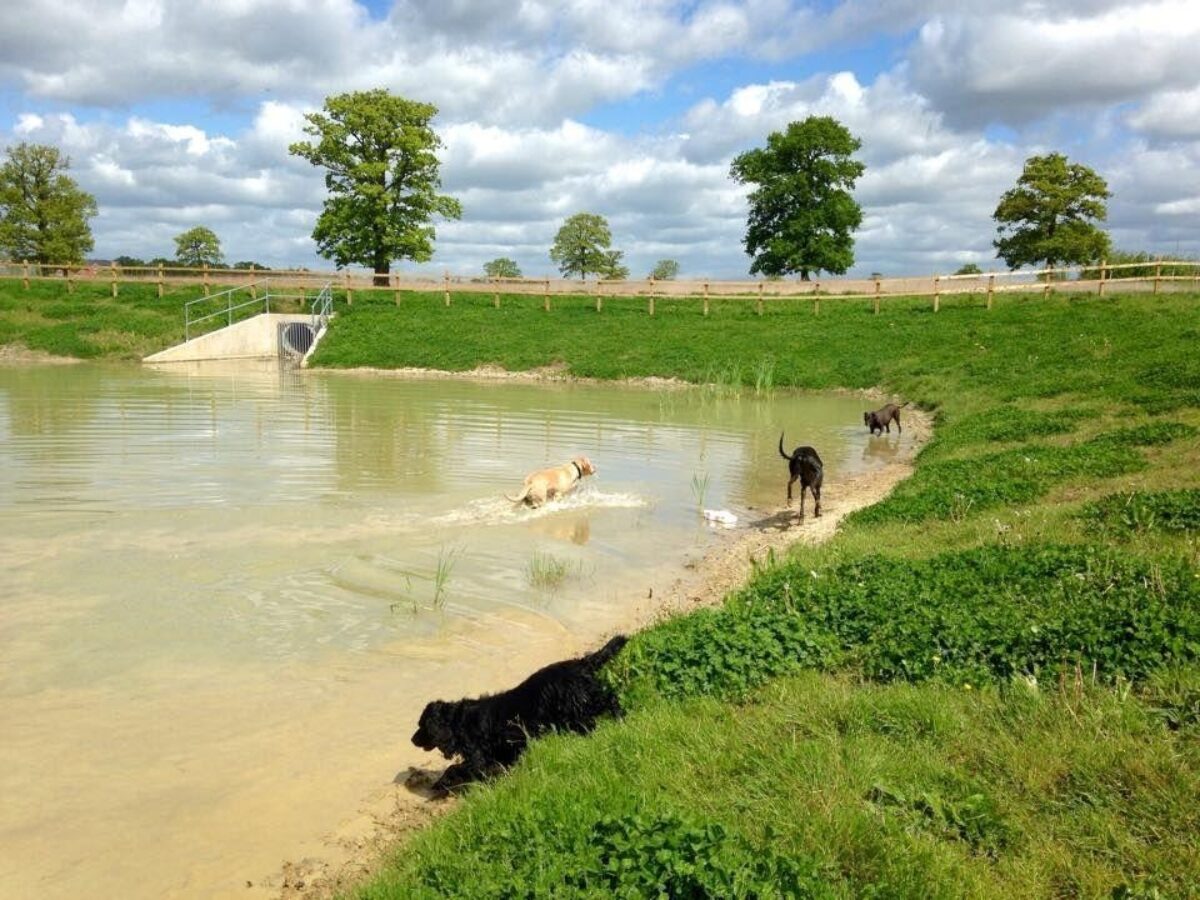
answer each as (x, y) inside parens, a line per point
(178, 114)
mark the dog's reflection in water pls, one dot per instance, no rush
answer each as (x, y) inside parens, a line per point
(881, 447)
(576, 529)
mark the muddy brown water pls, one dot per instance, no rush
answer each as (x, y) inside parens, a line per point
(227, 592)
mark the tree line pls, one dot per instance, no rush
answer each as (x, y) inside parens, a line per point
(379, 155)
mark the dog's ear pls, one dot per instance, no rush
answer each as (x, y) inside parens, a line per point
(585, 465)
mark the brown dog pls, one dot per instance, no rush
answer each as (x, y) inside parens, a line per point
(547, 484)
(882, 419)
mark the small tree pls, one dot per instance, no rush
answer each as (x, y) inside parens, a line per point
(43, 213)
(665, 270)
(249, 265)
(802, 216)
(969, 269)
(502, 267)
(379, 153)
(1049, 216)
(197, 247)
(613, 269)
(581, 246)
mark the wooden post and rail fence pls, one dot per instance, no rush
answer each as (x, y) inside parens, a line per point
(1152, 277)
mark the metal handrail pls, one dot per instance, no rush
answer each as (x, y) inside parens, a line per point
(230, 306)
(322, 309)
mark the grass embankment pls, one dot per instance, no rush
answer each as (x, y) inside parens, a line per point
(89, 323)
(986, 685)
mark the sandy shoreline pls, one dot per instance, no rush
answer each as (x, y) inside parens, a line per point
(398, 810)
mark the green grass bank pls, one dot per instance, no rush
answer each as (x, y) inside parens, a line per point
(986, 685)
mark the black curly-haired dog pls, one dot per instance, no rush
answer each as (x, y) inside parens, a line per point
(491, 732)
(804, 464)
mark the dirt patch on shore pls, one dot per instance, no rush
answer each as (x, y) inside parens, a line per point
(20, 355)
(362, 845)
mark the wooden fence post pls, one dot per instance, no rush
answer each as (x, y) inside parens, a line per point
(937, 297)
(651, 303)
(495, 294)
(112, 274)
(1046, 283)
(160, 281)
(817, 299)
(395, 280)
(206, 279)
(67, 273)
(760, 302)
(303, 296)
(876, 296)
(25, 276)
(706, 298)
(1103, 269)
(991, 289)
(599, 295)
(546, 296)
(1157, 275)
(253, 291)
(346, 287)
(446, 287)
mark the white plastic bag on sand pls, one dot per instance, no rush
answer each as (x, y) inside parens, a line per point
(720, 517)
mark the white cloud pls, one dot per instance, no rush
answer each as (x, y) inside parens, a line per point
(1015, 65)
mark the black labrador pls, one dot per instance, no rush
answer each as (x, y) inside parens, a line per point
(491, 732)
(804, 464)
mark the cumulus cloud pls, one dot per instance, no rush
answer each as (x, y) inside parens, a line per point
(1015, 65)
(514, 84)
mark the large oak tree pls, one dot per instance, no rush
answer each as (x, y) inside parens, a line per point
(802, 216)
(1050, 216)
(380, 156)
(43, 213)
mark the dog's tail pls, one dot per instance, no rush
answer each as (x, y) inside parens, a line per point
(607, 652)
(520, 497)
(781, 453)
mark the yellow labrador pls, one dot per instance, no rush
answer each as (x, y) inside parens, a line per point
(547, 484)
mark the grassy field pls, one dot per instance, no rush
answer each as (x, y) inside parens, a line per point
(89, 323)
(987, 685)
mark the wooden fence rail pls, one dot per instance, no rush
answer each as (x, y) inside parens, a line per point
(1152, 276)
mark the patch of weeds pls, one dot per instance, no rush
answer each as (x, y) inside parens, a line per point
(1142, 511)
(699, 488)
(1003, 424)
(974, 819)
(953, 488)
(441, 575)
(988, 614)
(633, 855)
(548, 572)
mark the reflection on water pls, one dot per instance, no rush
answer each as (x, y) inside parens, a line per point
(218, 542)
(881, 447)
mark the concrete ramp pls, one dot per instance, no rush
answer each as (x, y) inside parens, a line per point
(256, 338)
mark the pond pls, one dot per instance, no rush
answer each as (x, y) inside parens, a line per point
(226, 593)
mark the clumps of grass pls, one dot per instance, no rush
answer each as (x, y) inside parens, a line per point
(1141, 511)
(636, 854)
(1002, 424)
(548, 572)
(989, 614)
(973, 818)
(699, 488)
(446, 560)
(953, 488)
(764, 377)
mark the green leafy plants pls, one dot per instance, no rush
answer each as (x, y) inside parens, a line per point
(989, 614)
(1140, 511)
